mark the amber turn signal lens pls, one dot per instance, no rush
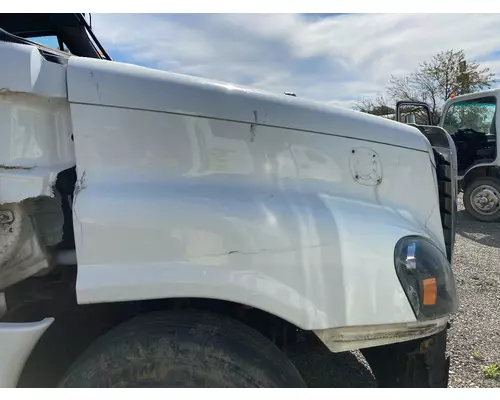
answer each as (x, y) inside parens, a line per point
(426, 277)
(430, 292)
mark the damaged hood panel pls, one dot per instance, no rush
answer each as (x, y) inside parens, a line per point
(27, 229)
(35, 146)
(35, 134)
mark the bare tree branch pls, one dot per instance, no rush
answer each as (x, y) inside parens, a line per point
(448, 72)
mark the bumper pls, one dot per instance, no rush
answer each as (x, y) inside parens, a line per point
(360, 337)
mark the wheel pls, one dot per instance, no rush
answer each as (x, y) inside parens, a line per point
(482, 199)
(182, 349)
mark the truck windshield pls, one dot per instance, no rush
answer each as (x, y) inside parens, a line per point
(476, 115)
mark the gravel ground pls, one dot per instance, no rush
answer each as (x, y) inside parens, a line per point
(475, 328)
(474, 337)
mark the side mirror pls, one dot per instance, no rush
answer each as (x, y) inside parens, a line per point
(410, 119)
(414, 105)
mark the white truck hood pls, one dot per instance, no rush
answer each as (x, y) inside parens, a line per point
(111, 83)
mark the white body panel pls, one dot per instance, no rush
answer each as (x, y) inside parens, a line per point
(190, 188)
(115, 84)
(35, 123)
(35, 145)
(16, 343)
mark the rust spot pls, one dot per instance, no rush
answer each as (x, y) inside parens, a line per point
(14, 167)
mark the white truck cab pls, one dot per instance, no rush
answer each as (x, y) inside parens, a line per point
(471, 120)
(161, 230)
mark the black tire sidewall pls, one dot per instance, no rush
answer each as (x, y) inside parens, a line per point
(182, 349)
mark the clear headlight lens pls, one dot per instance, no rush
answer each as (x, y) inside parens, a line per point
(426, 277)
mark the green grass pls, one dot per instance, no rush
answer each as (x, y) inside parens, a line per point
(492, 371)
(477, 356)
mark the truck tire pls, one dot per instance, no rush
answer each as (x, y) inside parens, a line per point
(170, 349)
(482, 199)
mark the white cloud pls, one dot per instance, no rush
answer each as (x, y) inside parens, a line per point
(334, 58)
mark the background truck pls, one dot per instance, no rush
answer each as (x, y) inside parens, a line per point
(471, 120)
(161, 230)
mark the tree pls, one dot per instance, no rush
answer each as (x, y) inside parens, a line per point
(377, 106)
(448, 72)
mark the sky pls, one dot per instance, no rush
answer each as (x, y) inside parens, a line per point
(336, 58)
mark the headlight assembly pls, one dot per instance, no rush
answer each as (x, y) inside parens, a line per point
(426, 277)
